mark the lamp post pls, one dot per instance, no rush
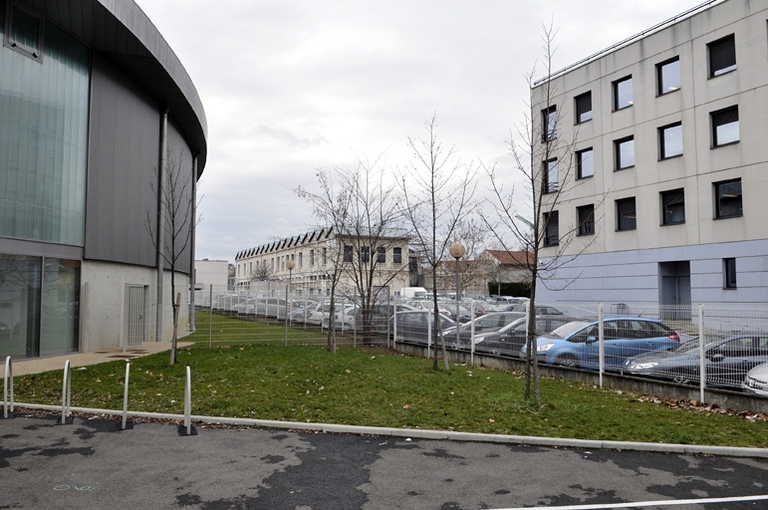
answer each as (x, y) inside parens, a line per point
(457, 251)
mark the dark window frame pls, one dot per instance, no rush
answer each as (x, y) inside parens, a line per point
(617, 87)
(728, 202)
(721, 56)
(583, 107)
(397, 255)
(548, 185)
(626, 216)
(662, 87)
(617, 144)
(580, 163)
(551, 228)
(673, 206)
(663, 141)
(724, 117)
(349, 251)
(586, 218)
(381, 255)
(549, 123)
(729, 273)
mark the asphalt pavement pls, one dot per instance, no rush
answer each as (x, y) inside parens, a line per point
(92, 463)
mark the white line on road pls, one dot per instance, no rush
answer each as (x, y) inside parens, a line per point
(642, 504)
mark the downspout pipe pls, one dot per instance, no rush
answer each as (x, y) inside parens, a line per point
(160, 243)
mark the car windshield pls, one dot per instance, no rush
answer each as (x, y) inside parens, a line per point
(567, 330)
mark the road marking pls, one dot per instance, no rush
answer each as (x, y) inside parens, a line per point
(642, 504)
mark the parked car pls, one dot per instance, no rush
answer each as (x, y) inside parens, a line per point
(727, 360)
(576, 344)
(510, 339)
(488, 323)
(414, 325)
(756, 381)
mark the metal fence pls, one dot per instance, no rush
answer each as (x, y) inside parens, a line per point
(705, 345)
(291, 318)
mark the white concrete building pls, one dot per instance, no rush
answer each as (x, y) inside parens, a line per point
(316, 254)
(665, 201)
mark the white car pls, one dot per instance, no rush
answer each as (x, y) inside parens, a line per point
(756, 380)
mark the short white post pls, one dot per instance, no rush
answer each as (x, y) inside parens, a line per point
(188, 402)
(125, 394)
(7, 378)
(66, 393)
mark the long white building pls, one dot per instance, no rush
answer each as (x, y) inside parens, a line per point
(663, 190)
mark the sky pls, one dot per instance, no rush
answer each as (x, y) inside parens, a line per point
(290, 87)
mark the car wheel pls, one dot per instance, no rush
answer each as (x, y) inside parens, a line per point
(567, 361)
(681, 379)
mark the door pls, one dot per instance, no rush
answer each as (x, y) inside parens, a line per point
(136, 315)
(675, 290)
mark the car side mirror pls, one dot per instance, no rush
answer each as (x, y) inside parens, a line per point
(591, 340)
(717, 358)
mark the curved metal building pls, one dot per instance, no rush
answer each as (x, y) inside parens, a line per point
(100, 126)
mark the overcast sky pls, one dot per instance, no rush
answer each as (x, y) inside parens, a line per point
(290, 86)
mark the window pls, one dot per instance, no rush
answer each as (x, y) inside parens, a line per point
(325, 255)
(625, 153)
(25, 33)
(622, 93)
(722, 56)
(673, 207)
(586, 214)
(585, 164)
(583, 107)
(301, 259)
(725, 126)
(397, 255)
(668, 76)
(551, 229)
(381, 254)
(365, 254)
(311, 257)
(626, 214)
(728, 199)
(729, 273)
(671, 141)
(550, 176)
(549, 123)
(348, 253)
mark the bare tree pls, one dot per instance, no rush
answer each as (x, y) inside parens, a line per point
(545, 160)
(437, 191)
(172, 229)
(365, 230)
(261, 273)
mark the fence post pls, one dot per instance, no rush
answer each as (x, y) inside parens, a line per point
(471, 332)
(601, 341)
(429, 334)
(210, 316)
(286, 314)
(7, 377)
(702, 358)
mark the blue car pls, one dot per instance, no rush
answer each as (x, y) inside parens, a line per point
(576, 344)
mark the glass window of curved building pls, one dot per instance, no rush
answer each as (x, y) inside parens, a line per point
(43, 142)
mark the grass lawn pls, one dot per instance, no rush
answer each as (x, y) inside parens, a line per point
(376, 387)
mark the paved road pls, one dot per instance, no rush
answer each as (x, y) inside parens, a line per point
(89, 463)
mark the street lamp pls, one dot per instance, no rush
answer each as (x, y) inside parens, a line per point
(457, 251)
